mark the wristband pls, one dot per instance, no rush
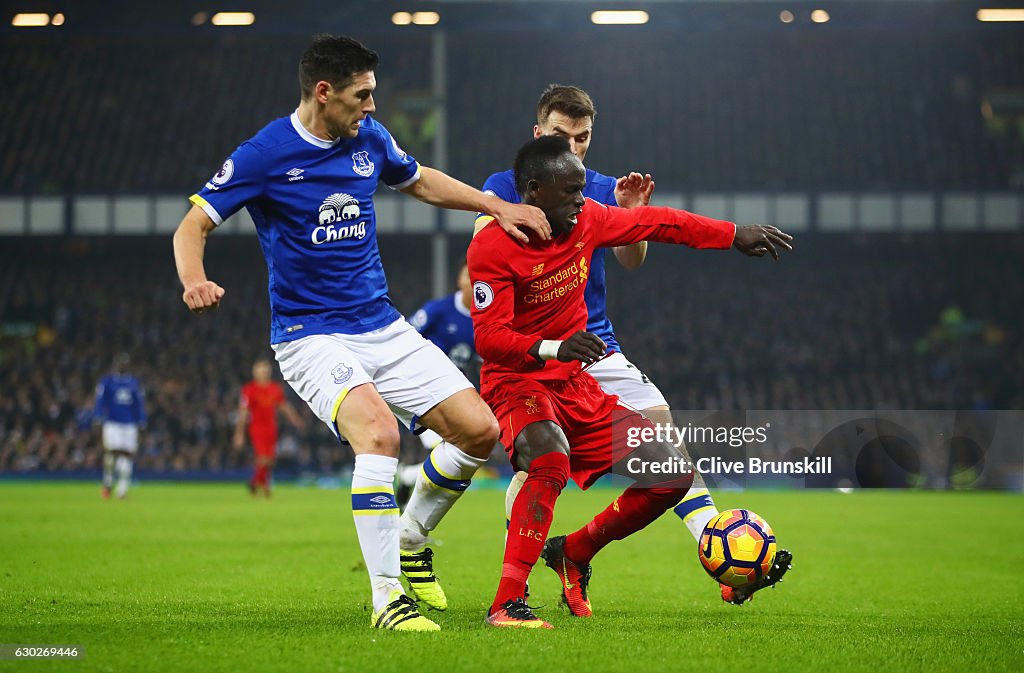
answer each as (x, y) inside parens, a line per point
(548, 349)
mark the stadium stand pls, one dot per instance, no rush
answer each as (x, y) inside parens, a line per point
(737, 111)
(918, 322)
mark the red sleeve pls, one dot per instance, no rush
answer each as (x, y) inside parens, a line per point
(619, 226)
(246, 395)
(494, 302)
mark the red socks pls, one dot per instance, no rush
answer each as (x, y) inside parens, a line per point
(633, 510)
(261, 477)
(531, 521)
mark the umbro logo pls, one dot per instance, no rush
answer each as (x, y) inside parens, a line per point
(381, 500)
(295, 174)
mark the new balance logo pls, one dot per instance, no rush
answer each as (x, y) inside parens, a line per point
(295, 174)
(537, 269)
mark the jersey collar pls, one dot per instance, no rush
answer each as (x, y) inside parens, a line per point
(459, 306)
(309, 137)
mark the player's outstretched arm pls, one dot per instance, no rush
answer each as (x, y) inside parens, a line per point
(441, 190)
(631, 191)
(189, 246)
(757, 239)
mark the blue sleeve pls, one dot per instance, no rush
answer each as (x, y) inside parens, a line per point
(399, 170)
(239, 181)
(605, 190)
(501, 185)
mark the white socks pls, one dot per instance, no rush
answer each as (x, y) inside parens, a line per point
(108, 469)
(123, 468)
(445, 476)
(376, 515)
(696, 509)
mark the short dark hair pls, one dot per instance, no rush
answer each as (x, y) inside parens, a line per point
(537, 159)
(571, 101)
(335, 59)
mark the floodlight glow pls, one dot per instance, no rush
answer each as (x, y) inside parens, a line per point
(619, 17)
(1001, 15)
(426, 18)
(401, 18)
(30, 20)
(57, 20)
(786, 16)
(233, 19)
(820, 16)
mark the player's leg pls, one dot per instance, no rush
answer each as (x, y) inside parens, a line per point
(108, 472)
(409, 467)
(332, 381)
(595, 453)
(423, 388)
(123, 466)
(470, 432)
(618, 376)
(651, 495)
(542, 451)
(697, 507)
(264, 449)
(257, 466)
(121, 441)
(267, 466)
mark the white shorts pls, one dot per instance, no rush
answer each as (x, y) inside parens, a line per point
(120, 437)
(410, 373)
(619, 376)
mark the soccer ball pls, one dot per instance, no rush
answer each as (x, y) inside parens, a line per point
(737, 547)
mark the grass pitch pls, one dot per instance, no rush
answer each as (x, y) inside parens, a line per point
(203, 578)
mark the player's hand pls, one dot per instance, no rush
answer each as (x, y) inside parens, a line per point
(634, 190)
(201, 296)
(757, 239)
(586, 347)
(515, 216)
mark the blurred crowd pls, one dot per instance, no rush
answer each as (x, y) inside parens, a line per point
(767, 110)
(845, 322)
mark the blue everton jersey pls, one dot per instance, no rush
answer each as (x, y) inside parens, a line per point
(447, 323)
(600, 188)
(312, 203)
(119, 399)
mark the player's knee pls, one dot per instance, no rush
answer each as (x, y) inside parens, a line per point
(381, 439)
(552, 467)
(481, 436)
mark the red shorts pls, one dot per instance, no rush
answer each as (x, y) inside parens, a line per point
(578, 406)
(264, 443)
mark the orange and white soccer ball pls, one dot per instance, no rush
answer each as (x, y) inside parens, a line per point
(737, 547)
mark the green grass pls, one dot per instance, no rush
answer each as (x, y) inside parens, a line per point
(202, 578)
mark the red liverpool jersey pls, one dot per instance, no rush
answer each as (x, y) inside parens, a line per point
(262, 401)
(525, 292)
